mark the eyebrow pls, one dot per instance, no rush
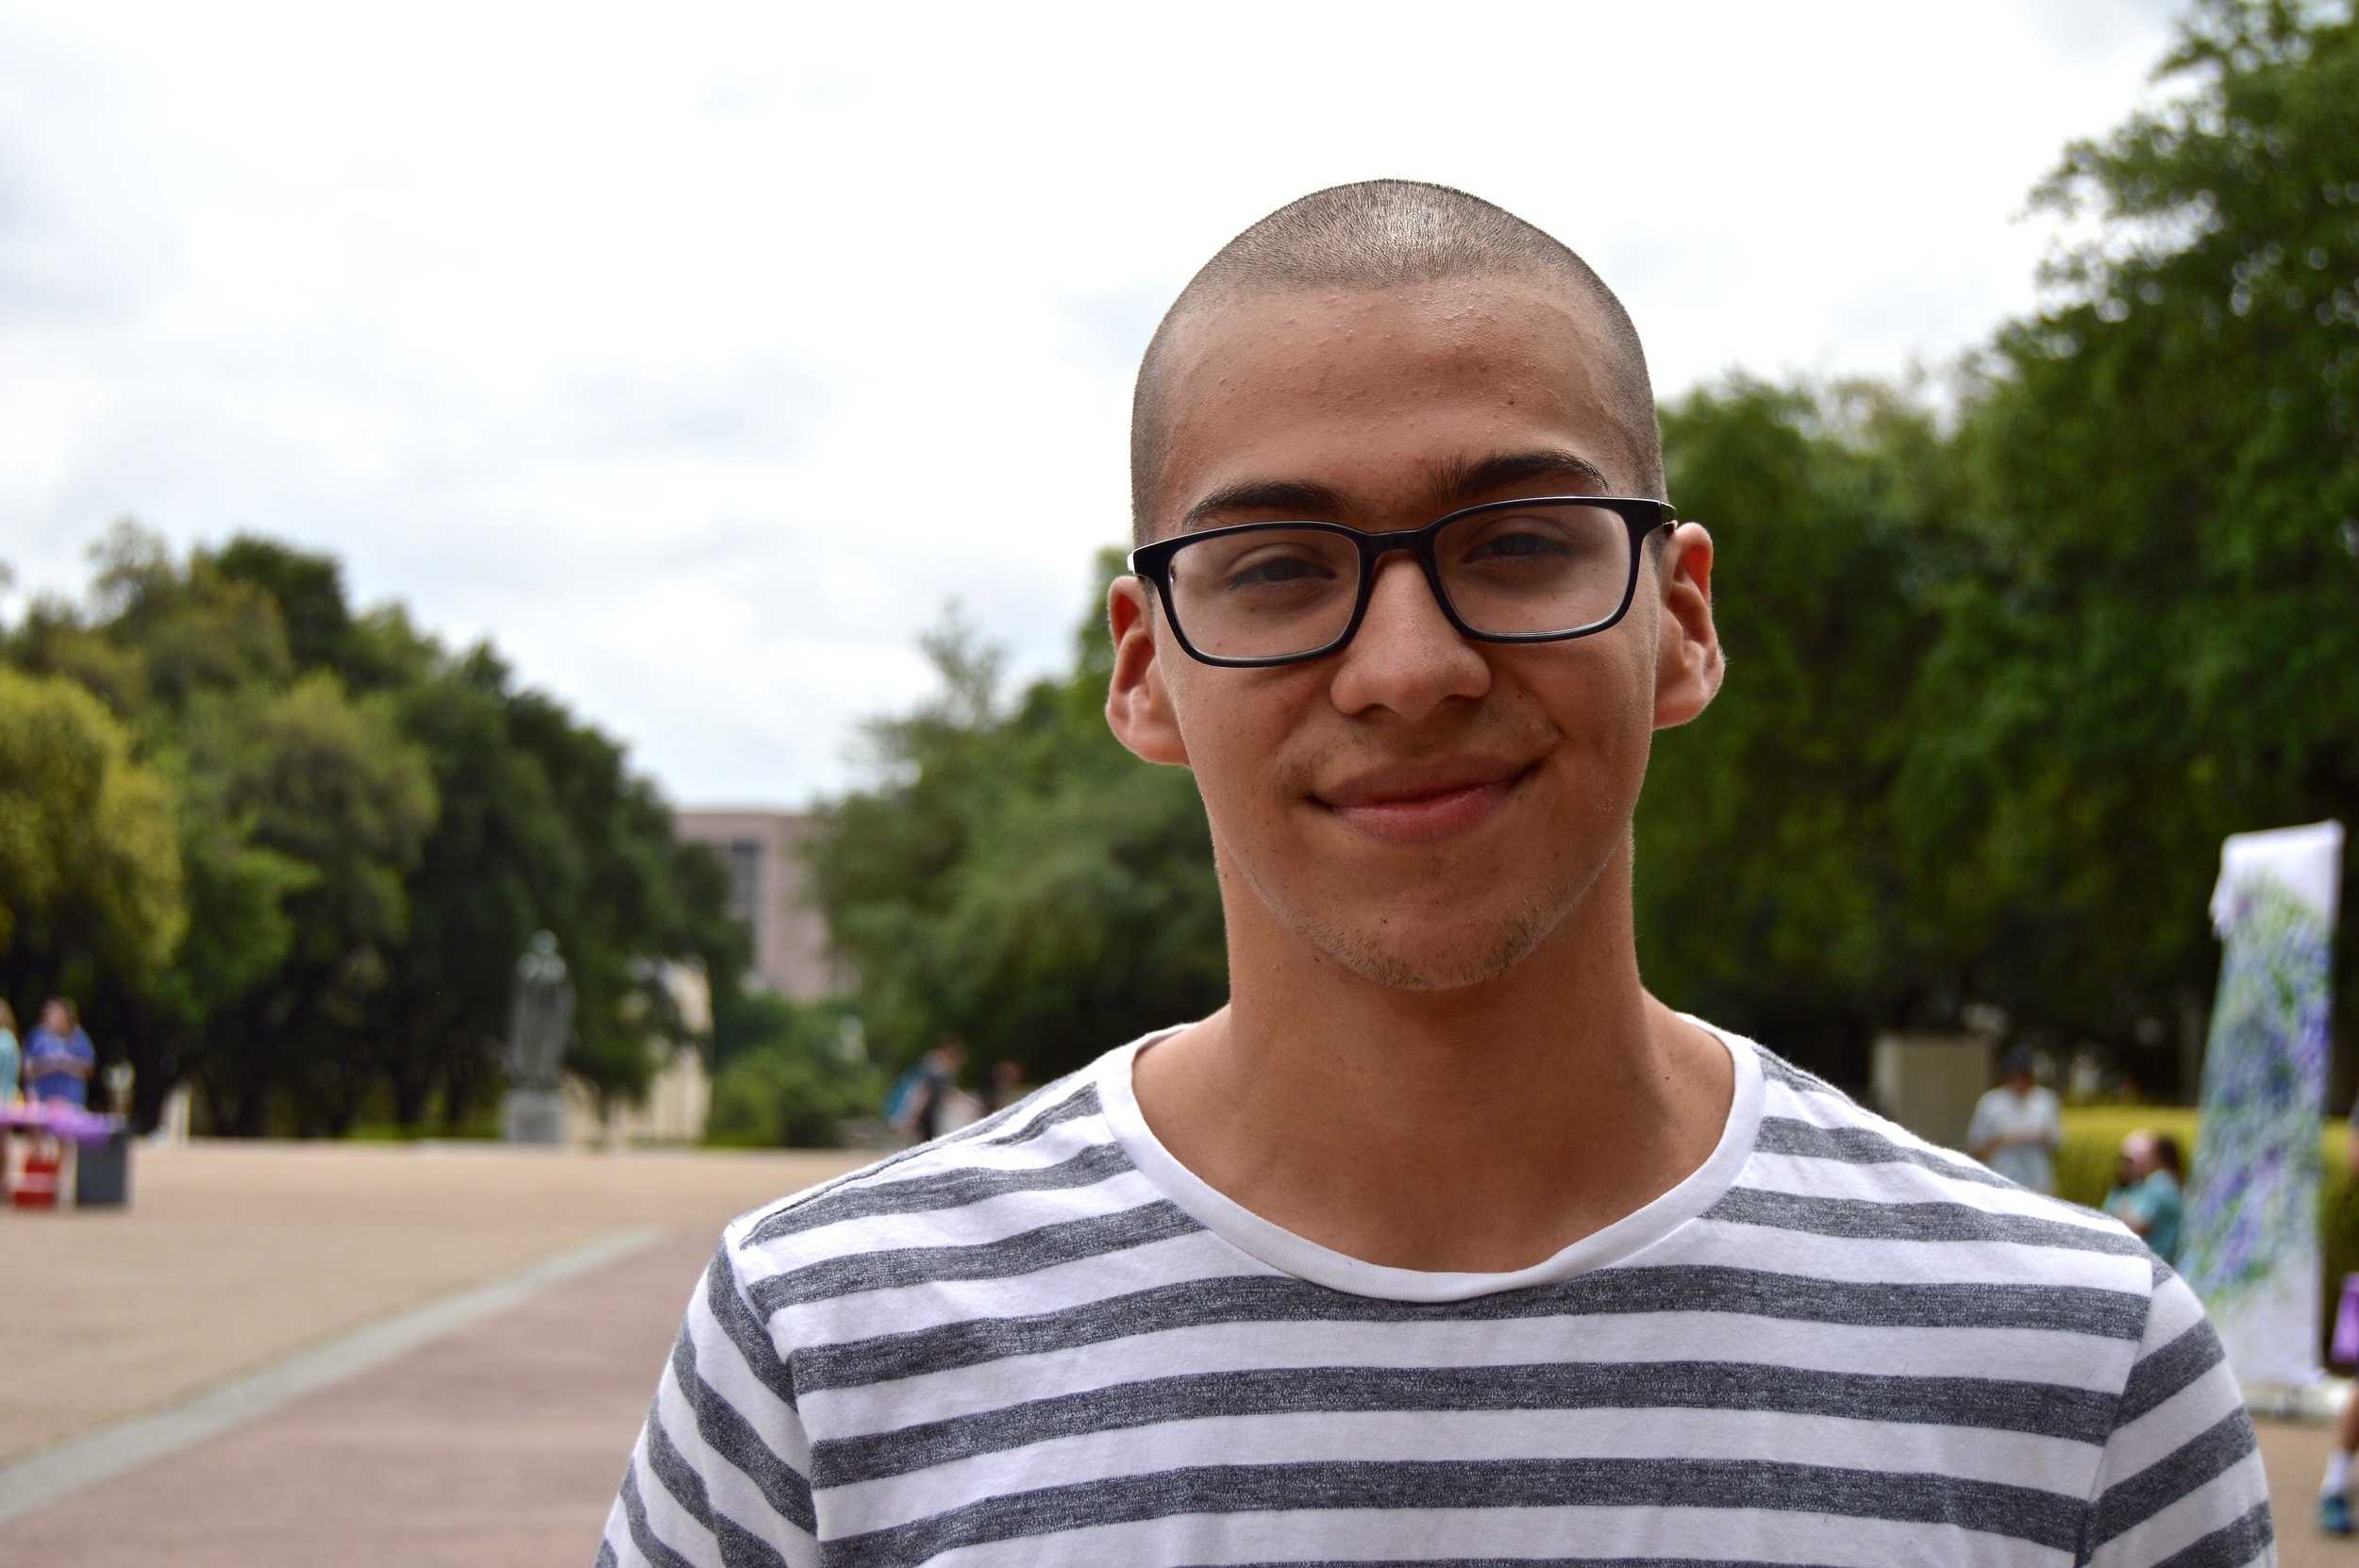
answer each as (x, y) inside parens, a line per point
(1449, 481)
(1455, 478)
(1299, 496)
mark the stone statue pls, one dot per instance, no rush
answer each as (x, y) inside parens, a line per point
(541, 1016)
(540, 1026)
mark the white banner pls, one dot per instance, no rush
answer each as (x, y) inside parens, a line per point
(2251, 1242)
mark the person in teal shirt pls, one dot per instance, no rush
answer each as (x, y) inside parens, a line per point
(2145, 1196)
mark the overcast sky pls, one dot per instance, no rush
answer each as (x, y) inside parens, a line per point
(697, 357)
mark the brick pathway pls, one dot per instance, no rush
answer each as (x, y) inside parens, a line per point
(497, 1447)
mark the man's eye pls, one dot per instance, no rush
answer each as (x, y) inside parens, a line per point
(1277, 569)
(1510, 545)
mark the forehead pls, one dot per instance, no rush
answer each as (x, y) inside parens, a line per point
(1370, 392)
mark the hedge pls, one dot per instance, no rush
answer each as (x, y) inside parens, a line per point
(2092, 1142)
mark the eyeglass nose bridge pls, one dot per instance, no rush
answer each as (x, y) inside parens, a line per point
(1418, 543)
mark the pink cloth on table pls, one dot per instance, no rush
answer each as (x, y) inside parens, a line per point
(70, 1121)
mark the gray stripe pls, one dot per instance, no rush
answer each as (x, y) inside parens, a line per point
(2045, 1518)
(1784, 1072)
(1989, 1403)
(606, 1556)
(728, 1433)
(1028, 1252)
(2168, 1370)
(2232, 1546)
(954, 1188)
(1275, 1298)
(1861, 1220)
(745, 1330)
(643, 1534)
(678, 1477)
(1861, 1146)
(739, 1547)
(1535, 1562)
(2201, 1459)
(1060, 1111)
(1083, 1102)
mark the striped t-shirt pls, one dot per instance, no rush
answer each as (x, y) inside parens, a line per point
(1043, 1340)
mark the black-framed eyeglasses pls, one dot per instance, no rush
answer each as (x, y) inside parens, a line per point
(1542, 569)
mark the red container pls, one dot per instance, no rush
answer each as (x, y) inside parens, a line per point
(37, 1184)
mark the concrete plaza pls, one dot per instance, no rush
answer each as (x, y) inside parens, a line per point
(289, 1354)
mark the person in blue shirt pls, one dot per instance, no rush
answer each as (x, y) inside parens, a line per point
(9, 1057)
(59, 1058)
(2145, 1196)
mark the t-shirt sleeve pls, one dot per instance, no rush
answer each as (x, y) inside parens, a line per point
(719, 1478)
(2180, 1481)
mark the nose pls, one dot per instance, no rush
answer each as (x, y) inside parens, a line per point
(1406, 658)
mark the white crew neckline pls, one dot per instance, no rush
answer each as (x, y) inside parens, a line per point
(1289, 1252)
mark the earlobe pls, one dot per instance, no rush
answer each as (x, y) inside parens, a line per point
(1138, 707)
(1689, 664)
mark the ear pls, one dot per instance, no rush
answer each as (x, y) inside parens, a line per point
(1138, 707)
(1688, 665)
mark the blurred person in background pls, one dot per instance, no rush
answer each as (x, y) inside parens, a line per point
(59, 1058)
(11, 1059)
(1006, 1086)
(934, 1104)
(2017, 1126)
(2147, 1191)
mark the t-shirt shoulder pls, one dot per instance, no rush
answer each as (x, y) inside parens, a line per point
(1817, 1140)
(1041, 1182)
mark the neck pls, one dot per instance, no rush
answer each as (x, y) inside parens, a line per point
(1478, 1129)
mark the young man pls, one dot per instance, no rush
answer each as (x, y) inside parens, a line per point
(1444, 1241)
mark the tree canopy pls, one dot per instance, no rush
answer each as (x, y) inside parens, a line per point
(289, 851)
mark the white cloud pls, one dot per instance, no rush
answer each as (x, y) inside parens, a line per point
(697, 359)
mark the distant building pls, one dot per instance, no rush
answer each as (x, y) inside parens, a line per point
(790, 939)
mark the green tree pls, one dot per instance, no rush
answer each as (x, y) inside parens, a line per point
(90, 875)
(2160, 644)
(334, 788)
(1774, 882)
(1014, 876)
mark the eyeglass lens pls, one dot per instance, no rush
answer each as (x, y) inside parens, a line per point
(1268, 593)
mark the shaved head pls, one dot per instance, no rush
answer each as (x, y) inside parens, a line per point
(1387, 234)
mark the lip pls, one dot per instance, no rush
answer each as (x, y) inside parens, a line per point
(1424, 804)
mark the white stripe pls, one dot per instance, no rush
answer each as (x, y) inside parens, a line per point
(670, 1523)
(720, 1363)
(2162, 1431)
(730, 1490)
(973, 1225)
(1807, 1175)
(2028, 1354)
(930, 1304)
(1053, 1147)
(2191, 1518)
(1735, 1244)
(2015, 1459)
(1447, 1535)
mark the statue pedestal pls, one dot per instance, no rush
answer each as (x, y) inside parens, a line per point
(534, 1116)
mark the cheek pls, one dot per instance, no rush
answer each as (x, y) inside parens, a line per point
(1236, 734)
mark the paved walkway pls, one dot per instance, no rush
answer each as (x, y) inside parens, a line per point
(234, 1255)
(498, 1445)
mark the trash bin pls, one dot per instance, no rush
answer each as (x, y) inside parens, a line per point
(102, 1173)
